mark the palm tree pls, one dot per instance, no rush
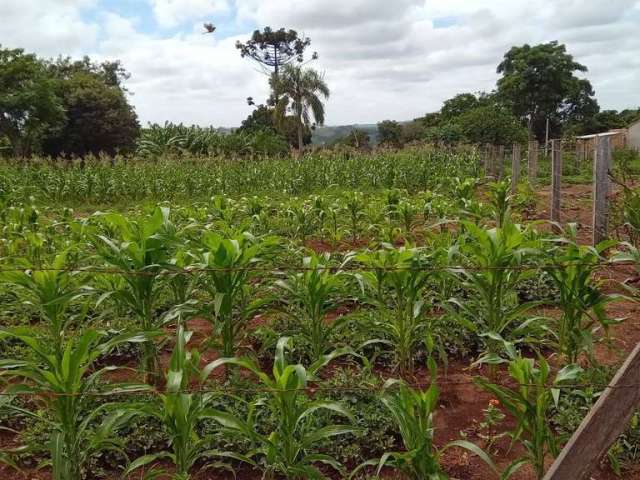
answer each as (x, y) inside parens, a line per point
(299, 90)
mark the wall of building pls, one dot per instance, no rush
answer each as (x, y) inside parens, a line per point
(633, 137)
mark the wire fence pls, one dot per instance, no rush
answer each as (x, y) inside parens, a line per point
(161, 270)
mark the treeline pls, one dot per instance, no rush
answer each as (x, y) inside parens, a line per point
(64, 107)
(539, 94)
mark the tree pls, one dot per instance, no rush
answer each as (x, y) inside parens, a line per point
(461, 103)
(538, 82)
(491, 124)
(301, 89)
(263, 119)
(99, 118)
(390, 133)
(273, 49)
(28, 101)
(355, 138)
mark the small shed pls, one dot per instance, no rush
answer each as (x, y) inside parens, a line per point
(633, 135)
(618, 139)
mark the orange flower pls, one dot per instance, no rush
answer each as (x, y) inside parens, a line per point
(494, 401)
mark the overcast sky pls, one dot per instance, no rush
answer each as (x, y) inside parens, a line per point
(382, 58)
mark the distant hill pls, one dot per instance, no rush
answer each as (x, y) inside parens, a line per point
(327, 134)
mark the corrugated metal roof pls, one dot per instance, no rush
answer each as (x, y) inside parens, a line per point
(603, 134)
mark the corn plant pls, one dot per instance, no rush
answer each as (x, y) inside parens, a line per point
(228, 263)
(413, 412)
(180, 411)
(530, 402)
(492, 262)
(143, 248)
(395, 283)
(289, 449)
(311, 294)
(51, 290)
(65, 382)
(580, 299)
(354, 205)
(500, 194)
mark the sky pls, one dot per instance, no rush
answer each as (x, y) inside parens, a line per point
(382, 59)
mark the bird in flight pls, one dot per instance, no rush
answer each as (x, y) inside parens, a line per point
(209, 28)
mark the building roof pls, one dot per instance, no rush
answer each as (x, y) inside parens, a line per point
(610, 133)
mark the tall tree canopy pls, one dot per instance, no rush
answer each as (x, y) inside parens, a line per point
(99, 118)
(302, 90)
(390, 133)
(539, 82)
(273, 49)
(28, 101)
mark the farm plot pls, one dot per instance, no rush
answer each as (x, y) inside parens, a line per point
(400, 327)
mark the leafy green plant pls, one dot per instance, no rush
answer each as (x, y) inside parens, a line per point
(180, 410)
(290, 449)
(500, 194)
(144, 249)
(492, 261)
(413, 412)
(530, 402)
(227, 263)
(581, 301)
(395, 282)
(311, 295)
(64, 382)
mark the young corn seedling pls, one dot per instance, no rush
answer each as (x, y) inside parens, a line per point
(311, 294)
(228, 263)
(354, 205)
(65, 382)
(51, 291)
(492, 262)
(580, 299)
(395, 283)
(289, 449)
(143, 248)
(413, 412)
(530, 402)
(180, 409)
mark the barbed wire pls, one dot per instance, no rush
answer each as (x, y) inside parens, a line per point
(312, 389)
(170, 270)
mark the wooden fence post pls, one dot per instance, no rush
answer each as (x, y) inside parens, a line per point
(601, 163)
(556, 179)
(500, 159)
(532, 162)
(487, 160)
(606, 420)
(515, 168)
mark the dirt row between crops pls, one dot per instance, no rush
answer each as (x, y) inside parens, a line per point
(461, 402)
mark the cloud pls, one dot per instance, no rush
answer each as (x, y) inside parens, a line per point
(49, 27)
(382, 59)
(172, 13)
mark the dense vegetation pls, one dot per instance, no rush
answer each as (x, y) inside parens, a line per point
(190, 322)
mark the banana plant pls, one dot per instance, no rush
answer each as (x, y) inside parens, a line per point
(413, 412)
(581, 300)
(530, 402)
(289, 449)
(491, 266)
(65, 382)
(311, 294)
(180, 409)
(395, 282)
(143, 248)
(228, 264)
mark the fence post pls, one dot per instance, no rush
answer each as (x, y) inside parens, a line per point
(515, 168)
(487, 160)
(601, 163)
(532, 160)
(606, 420)
(500, 160)
(556, 179)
